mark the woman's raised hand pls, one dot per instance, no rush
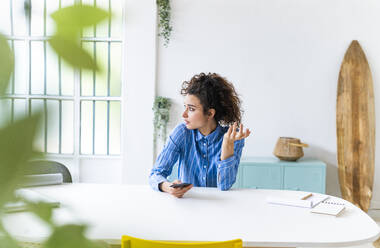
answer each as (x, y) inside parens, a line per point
(232, 134)
(230, 137)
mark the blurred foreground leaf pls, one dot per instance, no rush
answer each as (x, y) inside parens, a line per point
(69, 24)
(16, 142)
(79, 16)
(6, 64)
(43, 210)
(6, 240)
(70, 236)
(70, 51)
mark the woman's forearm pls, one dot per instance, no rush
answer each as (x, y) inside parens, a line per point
(227, 150)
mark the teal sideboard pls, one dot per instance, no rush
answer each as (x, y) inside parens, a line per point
(271, 173)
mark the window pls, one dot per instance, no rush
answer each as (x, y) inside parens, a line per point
(81, 109)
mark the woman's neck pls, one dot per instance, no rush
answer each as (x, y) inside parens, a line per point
(208, 128)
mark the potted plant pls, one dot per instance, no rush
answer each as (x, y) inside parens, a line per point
(161, 109)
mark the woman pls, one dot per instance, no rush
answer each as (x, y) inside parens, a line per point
(206, 149)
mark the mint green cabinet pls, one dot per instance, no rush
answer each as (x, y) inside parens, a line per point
(260, 176)
(271, 173)
(305, 178)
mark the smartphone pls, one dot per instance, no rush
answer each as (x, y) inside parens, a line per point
(180, 185)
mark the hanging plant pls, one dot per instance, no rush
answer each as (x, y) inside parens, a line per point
(161, 108)
(164, 26)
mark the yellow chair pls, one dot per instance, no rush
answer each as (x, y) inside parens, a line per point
(131, 242)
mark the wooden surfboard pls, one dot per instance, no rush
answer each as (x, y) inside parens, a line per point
(355, 124)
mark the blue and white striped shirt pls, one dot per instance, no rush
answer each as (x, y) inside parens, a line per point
(198, 157)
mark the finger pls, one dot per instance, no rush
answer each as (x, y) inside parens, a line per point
(229, 131)
(176, 195)
(179, 193)
(177, 181)
(185, 189)
(233, 134)
(248, 132)
(240, 133)
(176, 192)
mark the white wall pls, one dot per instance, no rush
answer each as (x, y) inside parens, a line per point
(283, 56)
(139, 89)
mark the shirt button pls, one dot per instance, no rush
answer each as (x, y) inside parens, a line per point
(204, 144)
(204, 155)
(204, 166)
(204, 178)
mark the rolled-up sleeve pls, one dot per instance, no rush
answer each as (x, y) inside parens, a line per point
(228, 168)
(167, 158)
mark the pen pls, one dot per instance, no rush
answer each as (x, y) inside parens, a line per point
(306, 196)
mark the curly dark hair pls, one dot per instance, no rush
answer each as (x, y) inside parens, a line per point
(215, 92)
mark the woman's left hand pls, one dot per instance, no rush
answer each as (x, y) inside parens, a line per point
(232, 134)
(230, 137)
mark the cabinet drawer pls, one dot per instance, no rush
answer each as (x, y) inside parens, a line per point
(261, 177)
(304, 178)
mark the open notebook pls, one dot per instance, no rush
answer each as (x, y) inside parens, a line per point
(329, 208)
(310, 202)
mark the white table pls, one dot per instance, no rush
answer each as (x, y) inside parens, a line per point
(204, 214)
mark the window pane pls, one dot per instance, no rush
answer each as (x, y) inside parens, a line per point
(39, 141)
(37, 67)
(67, 79)
(117, 18)
(87, 79)
(21, 67)
(67, 145)
(51, 7)
(115, 79)
(5, 18)
(88, 32)
(5, 111)
(102, 28)
(86, 127)
(37, 17)
(19, 108)
(8, 90)
(19, 20)
(100, 127)
(101, 75)
(52, 76)
(53, 126)
(115, 128)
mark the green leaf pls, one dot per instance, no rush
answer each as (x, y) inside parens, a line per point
(6, 64)
(70, 236)
(79, 16)
(43, 210)
(16, 142)
(72, 53)
(6, 240)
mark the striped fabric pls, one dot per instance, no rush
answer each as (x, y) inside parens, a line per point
(198, 158)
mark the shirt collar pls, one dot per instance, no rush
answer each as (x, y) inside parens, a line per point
(211, 137)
